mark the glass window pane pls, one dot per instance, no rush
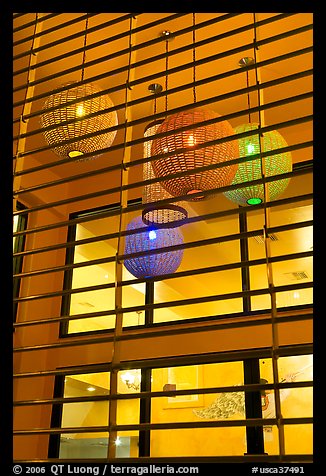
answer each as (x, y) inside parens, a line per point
(101, 300)
(196, 408)
(298, 439)
(85, 414)
(286, 272)
(89, 445)
(205, 284)
(295, 402)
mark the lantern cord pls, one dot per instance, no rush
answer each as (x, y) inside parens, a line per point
(248, 96)
(154, 109)
(125, 129)
(194, 55)
(166, 75)
(84, 52)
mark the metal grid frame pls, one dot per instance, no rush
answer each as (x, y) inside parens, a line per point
(124, 186)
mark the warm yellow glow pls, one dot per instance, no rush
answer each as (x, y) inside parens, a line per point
(75, 153)
(250, 148)
(191, 140)
(80, 111)
(128, 377)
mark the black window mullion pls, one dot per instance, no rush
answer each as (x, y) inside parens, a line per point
(18, 260)
(145, 413)
(56, 417)
(149, 299)
(244, 256)
(67, 280)
(253, 408)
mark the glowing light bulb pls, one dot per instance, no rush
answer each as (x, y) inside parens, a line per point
(191, 140)
(117, 441)
(80, 110)
(250, 148)
(296, 295)
(91, 389)
(128, 377)
(152, 235)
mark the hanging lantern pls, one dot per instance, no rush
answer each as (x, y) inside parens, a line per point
(191, 159)
(275, 164)
(152, 265)
(75, 130)
(157, 214)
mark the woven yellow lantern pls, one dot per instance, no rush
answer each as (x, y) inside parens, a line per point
(275, 164)
(157, 214)
(75, 130)
(191, 159)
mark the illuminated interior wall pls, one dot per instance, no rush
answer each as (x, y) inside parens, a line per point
(195, 408)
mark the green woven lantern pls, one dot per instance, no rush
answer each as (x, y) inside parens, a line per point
(275, 164)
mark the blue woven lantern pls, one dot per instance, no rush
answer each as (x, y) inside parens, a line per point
(147, 266)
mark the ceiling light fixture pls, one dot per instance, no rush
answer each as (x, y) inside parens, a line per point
(183, 155)
(172, 213)
(268, 166)
(129, 379)
(66, 117)
(155, 264)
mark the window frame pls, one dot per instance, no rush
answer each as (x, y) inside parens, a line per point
(251, 374)
(18, 261)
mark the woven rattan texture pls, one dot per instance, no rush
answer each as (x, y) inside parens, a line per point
(252, 170)
(154, 191)
(78, 129)
(152, 265)
(191, 159)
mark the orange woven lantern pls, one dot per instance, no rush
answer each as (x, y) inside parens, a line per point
(152, 213)
(75, 130)
(191, 159)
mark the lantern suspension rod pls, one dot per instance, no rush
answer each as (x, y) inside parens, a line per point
(230, 212)
(194, 56)
(84, 49)
(106, 236)
(94, 62)
(160, 179)
(191, 244)
(182, 108)
(166, 71)
(244, 63)
(157, 88)
(201, 169)
(155, 58)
